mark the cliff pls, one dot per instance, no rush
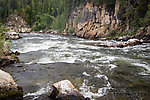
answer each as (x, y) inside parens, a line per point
(93, 22)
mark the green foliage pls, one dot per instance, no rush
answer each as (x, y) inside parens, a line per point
(59, 22)
(145, 21)
(2, 38)
(78, 18)
(46, 14)
(40, 14)
(136, 13)
(71, 30)
(43, 22)
(100, 2)
(125, 34)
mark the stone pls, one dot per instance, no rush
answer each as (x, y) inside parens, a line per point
(124, 38)
(6, 60)
(9, 90)
(14, 35)
(16, 23)
(17, 53)
(148, 30)
(64, 90)
(132, 42)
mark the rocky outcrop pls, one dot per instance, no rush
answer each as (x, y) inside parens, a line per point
(9, 90)
(6, 55)
(64, 90)
(93, 21)
(13, 35)
(17, 23)
(144, 34)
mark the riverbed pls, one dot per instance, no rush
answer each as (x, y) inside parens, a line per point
(98, 73)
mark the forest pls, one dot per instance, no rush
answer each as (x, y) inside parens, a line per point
(53, 14)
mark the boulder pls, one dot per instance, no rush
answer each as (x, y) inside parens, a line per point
(14, 35)
(132, 42)
(140, 33)
(6, 60)
(17, 53)
(9, 90)
(148, 29)
(146, 38)
(124, 38)
(64, 90)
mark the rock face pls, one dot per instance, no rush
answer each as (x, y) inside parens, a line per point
(144, 34)
(9, 90)
(64, 90)
(17, 24)
(92, 21)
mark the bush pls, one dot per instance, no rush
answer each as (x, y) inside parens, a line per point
(71, 30)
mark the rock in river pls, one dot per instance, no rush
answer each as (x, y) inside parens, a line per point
(13, 35)
(64, 90)
(9, 90)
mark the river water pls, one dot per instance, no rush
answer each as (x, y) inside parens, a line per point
(98, 73)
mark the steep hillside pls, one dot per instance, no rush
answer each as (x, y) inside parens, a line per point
(109, 19)
(87, 18)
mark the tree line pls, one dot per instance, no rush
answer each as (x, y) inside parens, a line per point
(47, 14)
(40, 14)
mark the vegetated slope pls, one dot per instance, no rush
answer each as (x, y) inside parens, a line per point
(6, 55)
(40, 14)
(127, 15)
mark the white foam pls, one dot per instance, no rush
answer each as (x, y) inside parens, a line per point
(44, 60)
(112, 66)
(30, 38)
(28, 47)
(85, 90)
(55, 59)
(86, 74)
(99, 76)
(142, 65)
(39, 92)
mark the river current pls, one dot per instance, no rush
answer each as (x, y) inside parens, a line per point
(98, 73)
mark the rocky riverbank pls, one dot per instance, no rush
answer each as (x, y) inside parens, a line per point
(9, 90)
(6, 55)
(17, 23)
(142, 36)
(104, 22)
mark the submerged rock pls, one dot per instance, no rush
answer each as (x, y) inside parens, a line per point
(9, 90)
(64, 90)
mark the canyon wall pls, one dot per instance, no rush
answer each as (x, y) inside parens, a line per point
(91, 21)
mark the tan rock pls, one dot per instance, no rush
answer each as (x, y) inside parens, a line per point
(64, 90)
(8, 88)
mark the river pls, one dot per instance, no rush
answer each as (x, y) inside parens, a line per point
(98, 73)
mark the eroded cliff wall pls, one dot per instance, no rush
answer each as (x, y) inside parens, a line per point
(92, 21)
